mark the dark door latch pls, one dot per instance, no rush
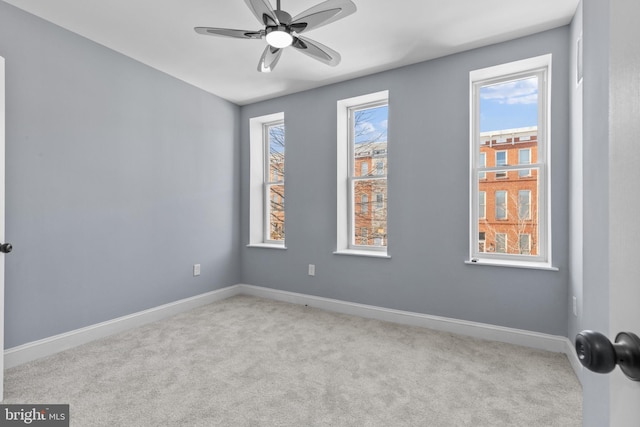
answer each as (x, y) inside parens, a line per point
(600, 355)
(5, 248)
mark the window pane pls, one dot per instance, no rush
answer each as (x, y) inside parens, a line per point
(501, 204)
(364, 167)
(276, 212)
(509, 105)
(524, 204)
(275, 182)
(501, 243)
(524, 158)
(370, 218)
(276, 153)
(509, 213)
(525, 244)
(369, 196)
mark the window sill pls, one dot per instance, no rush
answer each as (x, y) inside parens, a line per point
(354, 252)
(513, 264)
(266, 246)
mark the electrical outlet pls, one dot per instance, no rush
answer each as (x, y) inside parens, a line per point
(196, 270)
(575, 306)
(312, 269)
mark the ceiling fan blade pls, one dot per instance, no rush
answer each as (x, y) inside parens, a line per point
(228, 32)
(269, 59)
(263, 12)
(322, 14)
(316, 51)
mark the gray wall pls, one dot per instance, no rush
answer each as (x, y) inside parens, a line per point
(428, 196)
(119, 179)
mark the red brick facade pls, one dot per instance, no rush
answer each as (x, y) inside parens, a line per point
(510, 208)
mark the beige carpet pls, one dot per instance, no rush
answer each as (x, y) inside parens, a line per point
(247, 361)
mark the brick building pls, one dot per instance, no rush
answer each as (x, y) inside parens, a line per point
(508, 211)
(370, 194)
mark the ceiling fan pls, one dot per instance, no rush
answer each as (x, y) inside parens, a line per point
(281, 30)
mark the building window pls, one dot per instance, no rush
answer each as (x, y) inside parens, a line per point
(364, 204)
(266, 181)
(524, 244)
(510, 128)
(501, 204)
(482, 164)
(524, 205)
(501, 243)
(482, 241)
(362, 140)
(501, 160)
(482, 208)
(524, 158)
(364, 168)
(364, 236)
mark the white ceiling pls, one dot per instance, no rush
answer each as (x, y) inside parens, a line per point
(381, 35)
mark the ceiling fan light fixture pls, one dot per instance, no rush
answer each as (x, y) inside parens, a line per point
(279, 37)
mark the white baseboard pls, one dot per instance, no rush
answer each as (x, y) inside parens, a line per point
(537, 340)
(45, 347)
(34, 350)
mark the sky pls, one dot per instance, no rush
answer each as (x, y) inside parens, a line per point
(372, 123)
(509, 105)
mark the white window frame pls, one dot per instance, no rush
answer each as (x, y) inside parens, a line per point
(259, 200)
(540, 66)
(345, 203)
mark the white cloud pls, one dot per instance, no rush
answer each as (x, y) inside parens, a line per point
(514, 92)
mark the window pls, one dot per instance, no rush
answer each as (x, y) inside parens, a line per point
(482, 209)
(364, 204)
(501, 243)
(524, 204)
(266, 181)
(524, 158)
(364, 236)
(364, 168)
(510, 128)
(362, 195)
(524, 244)
(501, 160)
(501, 204)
